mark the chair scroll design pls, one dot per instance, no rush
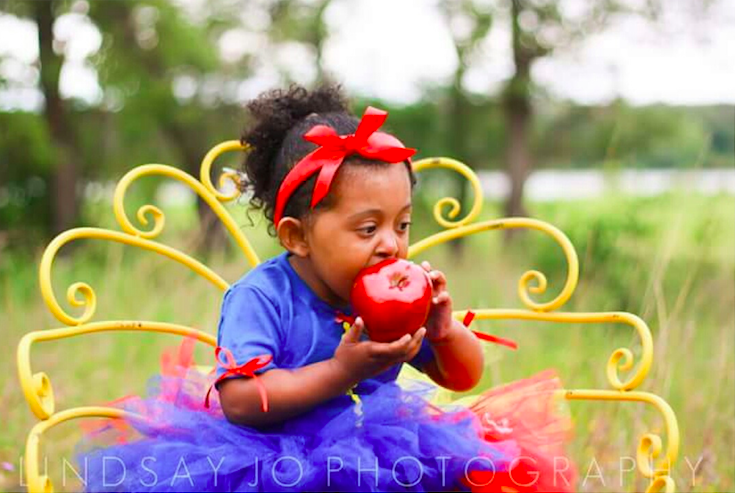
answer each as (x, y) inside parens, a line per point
(37, 386)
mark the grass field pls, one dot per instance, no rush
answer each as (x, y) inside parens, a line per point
(669, 259)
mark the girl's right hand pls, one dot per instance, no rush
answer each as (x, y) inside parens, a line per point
(365, 359)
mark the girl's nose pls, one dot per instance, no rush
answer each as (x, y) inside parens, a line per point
(388, 246)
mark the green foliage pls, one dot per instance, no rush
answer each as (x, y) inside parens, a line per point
(26, 160)
(150, 46)
(635, 137)
(617, 236)
(426, 125)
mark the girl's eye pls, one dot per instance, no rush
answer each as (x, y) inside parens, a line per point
(405, 225)
(368, 229)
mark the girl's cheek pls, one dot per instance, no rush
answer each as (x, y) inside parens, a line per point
(403, 249)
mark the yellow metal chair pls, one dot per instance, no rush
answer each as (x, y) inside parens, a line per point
(653, 460)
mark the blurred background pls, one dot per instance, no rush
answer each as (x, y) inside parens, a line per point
(612, 119)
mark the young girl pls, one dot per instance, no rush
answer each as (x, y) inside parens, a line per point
(303, 403)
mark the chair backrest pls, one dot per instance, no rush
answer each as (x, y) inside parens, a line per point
(654, 461)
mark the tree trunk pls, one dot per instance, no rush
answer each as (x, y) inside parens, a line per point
(518, 116)
(517, 119)
(64, 201)
(320, 34)
(458, 142)
(211, 236)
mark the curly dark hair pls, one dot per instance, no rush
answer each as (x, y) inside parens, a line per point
(278, 120)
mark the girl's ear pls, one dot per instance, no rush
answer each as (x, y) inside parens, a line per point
(292, 235)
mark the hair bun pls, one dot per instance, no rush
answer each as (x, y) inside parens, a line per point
(275, 112)
(270, 118)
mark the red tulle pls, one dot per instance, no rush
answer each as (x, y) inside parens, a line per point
(527, 413)
(178, 374)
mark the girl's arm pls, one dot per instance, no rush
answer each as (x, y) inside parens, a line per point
(294, 391)
(458, 359)
(290, 392)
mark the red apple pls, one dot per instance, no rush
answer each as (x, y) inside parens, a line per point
(393, 298)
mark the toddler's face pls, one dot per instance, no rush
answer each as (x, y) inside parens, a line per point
(368, 222)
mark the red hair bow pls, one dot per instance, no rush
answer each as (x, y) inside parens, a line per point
(332, 151)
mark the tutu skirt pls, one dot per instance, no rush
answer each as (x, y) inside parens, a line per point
(510, 439)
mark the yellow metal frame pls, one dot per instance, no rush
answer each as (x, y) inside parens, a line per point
(39, 392)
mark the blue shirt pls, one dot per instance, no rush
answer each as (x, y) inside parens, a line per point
(272, 311)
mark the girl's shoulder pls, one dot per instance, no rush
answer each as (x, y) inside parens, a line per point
(271, 279)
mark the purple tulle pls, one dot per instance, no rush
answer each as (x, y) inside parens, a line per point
(394, 440)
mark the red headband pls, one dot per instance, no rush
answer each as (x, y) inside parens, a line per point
(332, 151)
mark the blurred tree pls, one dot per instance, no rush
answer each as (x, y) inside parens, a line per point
(161, 78)
(149, 47)
(171, 76)
(301, 22)
(624, 136)
(540, 27)
(537, 29)
(468, 24)
(26, 167)
(65, 175)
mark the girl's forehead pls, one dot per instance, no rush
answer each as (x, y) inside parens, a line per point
(387, 188)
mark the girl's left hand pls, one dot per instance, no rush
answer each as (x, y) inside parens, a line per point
(439, 323)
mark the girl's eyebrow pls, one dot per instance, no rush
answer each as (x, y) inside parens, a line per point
(369, 212)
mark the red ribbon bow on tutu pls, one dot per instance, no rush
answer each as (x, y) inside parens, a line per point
(248, 370)
(332, 151)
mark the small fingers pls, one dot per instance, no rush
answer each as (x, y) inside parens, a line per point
(418, 336)
(391, 350)
(415, 345)
(402, 349)
(441, 298)
(438, 279)
(426, 265)
(399, 345)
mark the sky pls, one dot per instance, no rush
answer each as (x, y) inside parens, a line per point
(681, 61)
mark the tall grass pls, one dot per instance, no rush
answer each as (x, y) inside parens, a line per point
(670, 259)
